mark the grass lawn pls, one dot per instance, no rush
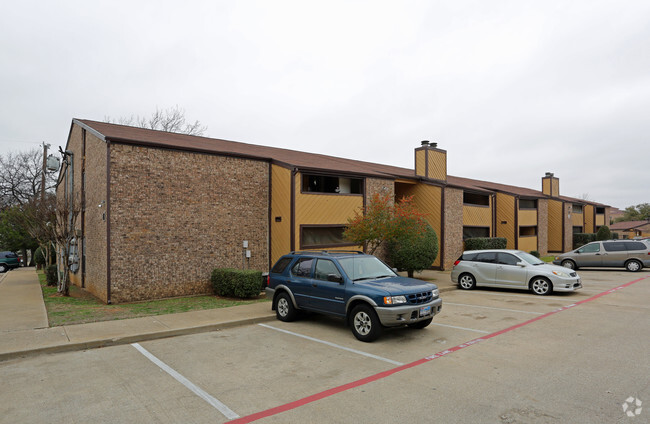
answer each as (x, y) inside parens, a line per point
(81, 307)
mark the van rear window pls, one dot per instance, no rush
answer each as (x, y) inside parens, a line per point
(614, 247)
(635, 245)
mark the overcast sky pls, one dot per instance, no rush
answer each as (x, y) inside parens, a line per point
(511, 89)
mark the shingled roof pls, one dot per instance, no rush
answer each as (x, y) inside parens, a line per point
(294, 158)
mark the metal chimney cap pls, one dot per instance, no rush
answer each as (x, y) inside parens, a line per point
(425, 142)
(549, 174)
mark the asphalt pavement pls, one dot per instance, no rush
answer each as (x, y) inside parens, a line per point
(24, 329)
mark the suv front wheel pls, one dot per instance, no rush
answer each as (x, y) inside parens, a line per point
(284, 309)
(365, 323)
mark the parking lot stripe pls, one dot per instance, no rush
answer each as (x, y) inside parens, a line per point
(227, 412)
(358, 352)
(459, 328)
(327, 393)
(496, 309)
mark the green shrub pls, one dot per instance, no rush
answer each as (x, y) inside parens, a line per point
(414, 253)
(580, 239)
(604, 233)
(230, 282)
(39, 258)
(50, 275)
(480, 243)
(535, 253)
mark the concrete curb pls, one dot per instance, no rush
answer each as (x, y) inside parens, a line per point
(117, 341)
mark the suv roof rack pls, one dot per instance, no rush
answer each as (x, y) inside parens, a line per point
(327, 252)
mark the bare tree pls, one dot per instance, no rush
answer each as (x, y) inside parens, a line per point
(21, 177)
(169, 120)
(54, 220)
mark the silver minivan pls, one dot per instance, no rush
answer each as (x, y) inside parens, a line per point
(631, 254)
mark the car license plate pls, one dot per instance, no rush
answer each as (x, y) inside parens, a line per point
(425, 310)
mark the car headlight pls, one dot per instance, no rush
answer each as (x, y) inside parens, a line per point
(435, 293)
(394, 300)
(561, 274)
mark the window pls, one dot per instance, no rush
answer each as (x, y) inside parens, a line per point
(476, 199)
(487, 257)
(590, 248)
(528, 231)
(473, 232)
(331, 184)
(325, 268)
(614, 247)
(600, 211)
(635, 245)
(507, 259)
(577, 209)
(302, 268)
(527, 203)
(279, 267)
(322, 236)
(577, 229)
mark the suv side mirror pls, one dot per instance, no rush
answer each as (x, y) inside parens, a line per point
(521, 264)
(335, 278)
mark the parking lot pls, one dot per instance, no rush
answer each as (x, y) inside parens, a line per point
(495, 356)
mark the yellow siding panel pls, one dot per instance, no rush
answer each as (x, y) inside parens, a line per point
(323, 209)
(420, 163)
(280, 207)
(577, 219)
(600, 220)
(589, 219)
(527, 217)
(437, 165)
(546, 186)
(527, 244)
(555, 217)
(477, 216)
(506, 219)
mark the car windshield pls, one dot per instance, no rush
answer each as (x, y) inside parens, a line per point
(530, 258)
(365, 268)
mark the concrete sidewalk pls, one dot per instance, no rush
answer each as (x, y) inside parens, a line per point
(24, 330)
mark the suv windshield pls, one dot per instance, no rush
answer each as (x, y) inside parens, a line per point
(530, 258)
(365, 268)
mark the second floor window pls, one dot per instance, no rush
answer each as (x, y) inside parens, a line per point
(331, 184)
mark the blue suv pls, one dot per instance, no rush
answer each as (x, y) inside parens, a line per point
(352, 285)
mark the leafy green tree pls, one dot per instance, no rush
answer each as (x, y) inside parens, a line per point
(636, 213)
(14, 235)
(413, 252)
(604, 233)
(384, 220)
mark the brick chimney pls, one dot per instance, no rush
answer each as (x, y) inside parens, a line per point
(430, 161)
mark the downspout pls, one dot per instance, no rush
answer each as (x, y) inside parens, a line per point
(108, 222)
(293, 209)
(517, 222)
(83, 210)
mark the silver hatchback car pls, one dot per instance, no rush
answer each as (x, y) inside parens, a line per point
(512, 269)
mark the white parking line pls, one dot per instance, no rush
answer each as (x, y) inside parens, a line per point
(496, 309)
(358, 352)
(460, 328)
(227, 412)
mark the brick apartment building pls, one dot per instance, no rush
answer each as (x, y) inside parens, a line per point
(162, 210)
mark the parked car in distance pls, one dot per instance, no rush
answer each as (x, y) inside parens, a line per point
(631, 254)
(8, 260)
(512, 269)
(352, 285)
